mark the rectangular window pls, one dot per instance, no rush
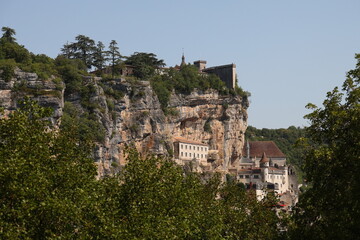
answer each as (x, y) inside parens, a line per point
(241, 176)
(198, 148)
(256, 176)
(198, 155)
(182, 154)
(181, 146)
(194, 147)
(201, 148)
(202, 156)
(185, 154)
(185, 146)
(247, 176)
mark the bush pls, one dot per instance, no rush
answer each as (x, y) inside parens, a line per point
(8, 67)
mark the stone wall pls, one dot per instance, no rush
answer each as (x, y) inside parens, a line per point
(227, 73)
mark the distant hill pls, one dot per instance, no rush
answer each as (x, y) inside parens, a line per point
(285, 139)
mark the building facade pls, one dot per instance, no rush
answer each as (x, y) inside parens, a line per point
(263, 168)
(188, 150)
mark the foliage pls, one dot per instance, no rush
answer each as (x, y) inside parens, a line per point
(85, 126)
(72, 71)
(184, 81)
(100, 56)
(207, 126)
(7, 66)
(114, 56)
(48, 190)
(12, 50)
(144, 64)
(8, 34)
(83, 49)
(330, 209)
(245, 217)
(46, 178)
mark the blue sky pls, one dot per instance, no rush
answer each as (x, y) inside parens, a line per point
(288, 53)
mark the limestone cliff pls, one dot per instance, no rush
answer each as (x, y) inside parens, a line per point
(137, 118)
(49, 93)
(207, 117)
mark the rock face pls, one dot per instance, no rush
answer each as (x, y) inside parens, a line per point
(49, 93)
(218, 121)
(137, 118)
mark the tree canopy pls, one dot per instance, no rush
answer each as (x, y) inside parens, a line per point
(48, 190)
(330, 209)
(144, 64)
(8, 34)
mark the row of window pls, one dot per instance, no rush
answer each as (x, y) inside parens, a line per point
(190, 147)
(194, 155)
(248, 176)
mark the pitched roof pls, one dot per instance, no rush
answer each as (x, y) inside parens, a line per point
(257, 148)
(184, 140)
(264, 158)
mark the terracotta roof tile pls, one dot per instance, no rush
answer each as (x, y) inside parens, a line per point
(264, 158)
(257, 148)
(184, 140)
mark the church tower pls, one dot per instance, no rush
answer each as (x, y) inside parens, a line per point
(183, 63)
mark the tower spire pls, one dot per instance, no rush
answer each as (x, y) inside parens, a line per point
(183, 59)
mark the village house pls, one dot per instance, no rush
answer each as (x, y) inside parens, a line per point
(263, 168)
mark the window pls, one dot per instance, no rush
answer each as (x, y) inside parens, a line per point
(198, 148)
(201, 148)
(194, 147)
(241, 176)
(185, 154)
(185, 146)
(181, 146)
(247, 176)
(256, 176)
(182, 154)
(198, 155)
(202, 156)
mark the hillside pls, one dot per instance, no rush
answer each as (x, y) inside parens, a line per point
(116, 111)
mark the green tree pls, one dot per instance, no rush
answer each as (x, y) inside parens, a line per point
(99, 56)
(330, 209)
(47, 179)
(114, 56)
(83, 49)
(144, 64)
(8, 34)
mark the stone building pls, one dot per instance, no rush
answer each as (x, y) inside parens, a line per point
(188, 150)
(227, 73)
(263, 168)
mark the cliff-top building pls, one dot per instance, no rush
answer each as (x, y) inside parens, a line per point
(226, 73)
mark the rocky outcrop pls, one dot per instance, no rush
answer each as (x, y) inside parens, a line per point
(49, 93)
(207, 117)
(137, 118)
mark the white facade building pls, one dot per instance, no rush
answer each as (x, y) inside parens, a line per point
(187, 150)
